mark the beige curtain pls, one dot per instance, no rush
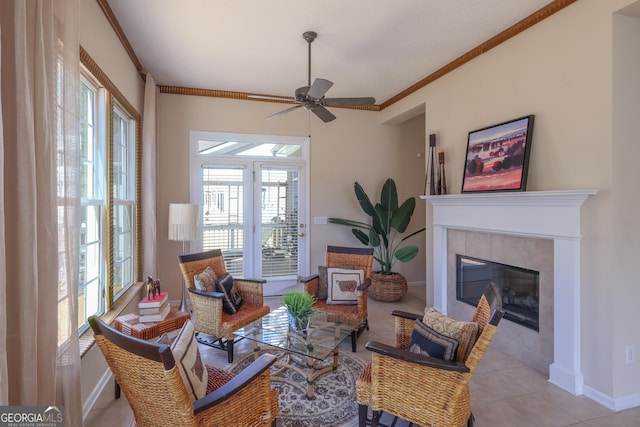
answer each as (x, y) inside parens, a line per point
(40, 188)
(4, 377)
(149, 179)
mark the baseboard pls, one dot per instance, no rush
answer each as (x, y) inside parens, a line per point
(615, 404)
(421, 284)
(95, 393)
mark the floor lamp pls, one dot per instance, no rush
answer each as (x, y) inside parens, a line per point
(183, 227)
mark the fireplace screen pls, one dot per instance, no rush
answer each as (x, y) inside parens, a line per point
(519, 288)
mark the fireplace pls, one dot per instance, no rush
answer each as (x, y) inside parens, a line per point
(519, 288)
(553, 216)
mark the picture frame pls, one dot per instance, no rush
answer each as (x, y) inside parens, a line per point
(497, 157)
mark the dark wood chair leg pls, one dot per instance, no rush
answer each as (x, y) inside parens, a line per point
(471, 420)
(362, 415)
(354, 339)
(375, 419)
(230, 350)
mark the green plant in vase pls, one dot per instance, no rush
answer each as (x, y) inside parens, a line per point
(389, 220)
(299, 308)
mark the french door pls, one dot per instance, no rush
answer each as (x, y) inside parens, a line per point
(255, 211)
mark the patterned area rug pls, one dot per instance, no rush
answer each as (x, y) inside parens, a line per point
(335, 394)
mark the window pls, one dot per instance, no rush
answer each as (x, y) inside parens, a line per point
(123, 199)
(109, 137)
(91, 283)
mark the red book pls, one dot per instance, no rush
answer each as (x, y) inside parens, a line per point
(154, 302)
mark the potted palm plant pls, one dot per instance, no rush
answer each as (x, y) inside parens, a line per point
(389, 221)
(299, 308)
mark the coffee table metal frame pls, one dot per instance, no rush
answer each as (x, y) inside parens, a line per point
(302, 351)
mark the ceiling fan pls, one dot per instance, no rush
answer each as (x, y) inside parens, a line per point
(311, 97)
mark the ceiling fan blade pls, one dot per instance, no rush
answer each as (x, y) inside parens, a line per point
(324, 114)
(272, 98)
(319, 88)
(273, 116)
(348, 102)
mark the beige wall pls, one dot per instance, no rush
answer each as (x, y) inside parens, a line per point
(562, 70)
(99, 40)
(626, 221)
(353, 147)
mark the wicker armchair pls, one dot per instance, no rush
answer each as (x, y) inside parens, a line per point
(149, 377)
(420, 389)
(356, 258)
(207, 306)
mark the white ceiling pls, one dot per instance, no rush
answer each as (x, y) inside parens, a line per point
(365, 47)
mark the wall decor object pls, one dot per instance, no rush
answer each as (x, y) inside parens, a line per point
(442, 179)
(498, 157)
(429, 177)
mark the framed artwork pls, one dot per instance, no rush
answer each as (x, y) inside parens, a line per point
(498, 157)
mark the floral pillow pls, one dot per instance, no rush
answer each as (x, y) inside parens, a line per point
(206, 281)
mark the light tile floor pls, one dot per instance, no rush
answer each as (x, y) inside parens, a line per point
(504, 392)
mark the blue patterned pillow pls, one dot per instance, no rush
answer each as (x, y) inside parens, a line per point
(428, 342)
(232, 299)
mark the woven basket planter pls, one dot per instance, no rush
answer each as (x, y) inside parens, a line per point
(387, 287)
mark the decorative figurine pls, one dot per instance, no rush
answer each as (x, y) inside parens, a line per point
(153, 287)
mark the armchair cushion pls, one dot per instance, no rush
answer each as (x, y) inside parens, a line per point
(232, 300)
(206, 281)
(428, 342)
(464, 332)
(187, 356)
(343, 285)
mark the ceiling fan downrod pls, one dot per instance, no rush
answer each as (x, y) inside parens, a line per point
(309, 36)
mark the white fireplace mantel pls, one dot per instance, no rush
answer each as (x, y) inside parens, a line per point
(539, 214)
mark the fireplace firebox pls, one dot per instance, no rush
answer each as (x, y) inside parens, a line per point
(519, 287)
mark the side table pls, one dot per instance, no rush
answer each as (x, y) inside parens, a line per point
(130, 324)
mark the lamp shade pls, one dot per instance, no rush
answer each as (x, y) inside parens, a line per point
(183, 222)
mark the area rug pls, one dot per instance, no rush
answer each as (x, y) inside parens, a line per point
(335, 394)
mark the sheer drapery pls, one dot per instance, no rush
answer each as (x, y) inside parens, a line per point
(4, 379)
(149, 179)
(40, 189)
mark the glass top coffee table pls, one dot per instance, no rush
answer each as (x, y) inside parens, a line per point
(306, 352)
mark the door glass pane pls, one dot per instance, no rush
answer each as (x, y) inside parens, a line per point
(279, 224)
(222, 214)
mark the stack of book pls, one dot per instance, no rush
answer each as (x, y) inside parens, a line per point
(154, 309)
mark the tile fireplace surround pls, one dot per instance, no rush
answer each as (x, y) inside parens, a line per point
(553, 215)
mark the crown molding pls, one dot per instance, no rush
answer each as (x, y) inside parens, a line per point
(176, 90)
